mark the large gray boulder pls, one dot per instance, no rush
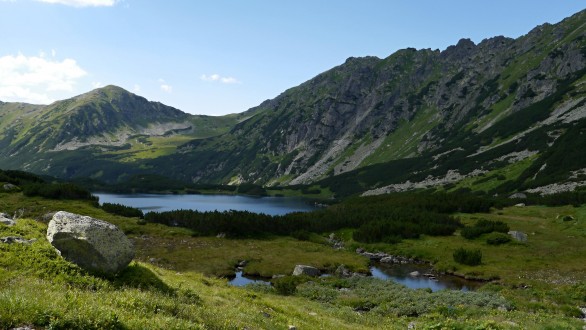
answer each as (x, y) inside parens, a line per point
(92, 244)
(305, 270)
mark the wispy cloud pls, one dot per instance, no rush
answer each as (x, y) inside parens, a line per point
(164, 86)
(82, 3)
(32, 79)
(217, 78)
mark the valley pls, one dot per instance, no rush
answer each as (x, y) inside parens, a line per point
(465, 162)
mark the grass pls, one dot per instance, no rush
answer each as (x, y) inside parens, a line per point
(218, 256)
(40, 289)
(497, 177)
(554, 247)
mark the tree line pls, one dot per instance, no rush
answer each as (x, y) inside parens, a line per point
(387, 218)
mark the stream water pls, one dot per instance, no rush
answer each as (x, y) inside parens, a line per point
(400, 273)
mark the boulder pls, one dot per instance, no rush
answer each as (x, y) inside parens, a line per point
(5, 220)
(518, 235)
(415, 274)
(305, 270)
(92, 244)
(9, 187)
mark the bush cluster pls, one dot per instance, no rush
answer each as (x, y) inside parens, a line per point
(468, 257)
(123, 210)
(483, 226)
(57, 191)
(498, 239)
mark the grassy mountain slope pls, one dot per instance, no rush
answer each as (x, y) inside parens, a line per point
(108, 127)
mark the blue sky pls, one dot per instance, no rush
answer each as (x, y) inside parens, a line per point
(218, 57)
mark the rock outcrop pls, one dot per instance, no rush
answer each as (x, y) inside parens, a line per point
(9, 187)
(6, 220)
(305, 270)
(518, 235)
(92, 244)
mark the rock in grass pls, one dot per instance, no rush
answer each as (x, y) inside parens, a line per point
(5, 220)
(9, 187)
(305, 270)
(92, 244)
(16, 239)
(518, 235)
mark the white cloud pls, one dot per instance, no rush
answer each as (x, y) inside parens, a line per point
(82, 3)
(217, 78)
(33, 79)
(166, 88)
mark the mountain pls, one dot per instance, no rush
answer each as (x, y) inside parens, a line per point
(470, 109)
(97, 132)
(498, 116)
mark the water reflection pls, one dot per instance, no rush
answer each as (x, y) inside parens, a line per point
(402, 275)
(241, 280)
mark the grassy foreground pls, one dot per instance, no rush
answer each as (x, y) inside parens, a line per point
(40, 289)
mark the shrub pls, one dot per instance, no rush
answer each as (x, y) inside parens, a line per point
(58, 191)
(498, 239)
(483, 226)
(302, 235)
(468, 257)
(288, 285)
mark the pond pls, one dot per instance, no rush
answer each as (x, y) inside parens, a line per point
(426, 278)
(241, 280)
(163, 203)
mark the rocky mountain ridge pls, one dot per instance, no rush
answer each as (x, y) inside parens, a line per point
(414, 103)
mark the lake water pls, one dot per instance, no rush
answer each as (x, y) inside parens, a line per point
(163, 203)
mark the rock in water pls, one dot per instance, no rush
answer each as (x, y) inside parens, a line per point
(92, 244)
(305, 270)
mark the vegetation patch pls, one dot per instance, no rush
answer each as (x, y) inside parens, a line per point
(468, 257)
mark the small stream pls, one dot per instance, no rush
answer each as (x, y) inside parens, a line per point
(426, 278)
(399, 273)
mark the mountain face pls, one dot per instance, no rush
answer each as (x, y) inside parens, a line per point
(502, 115)
(107, 123)
(507, 98)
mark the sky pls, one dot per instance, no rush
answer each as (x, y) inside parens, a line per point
(225, 56)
